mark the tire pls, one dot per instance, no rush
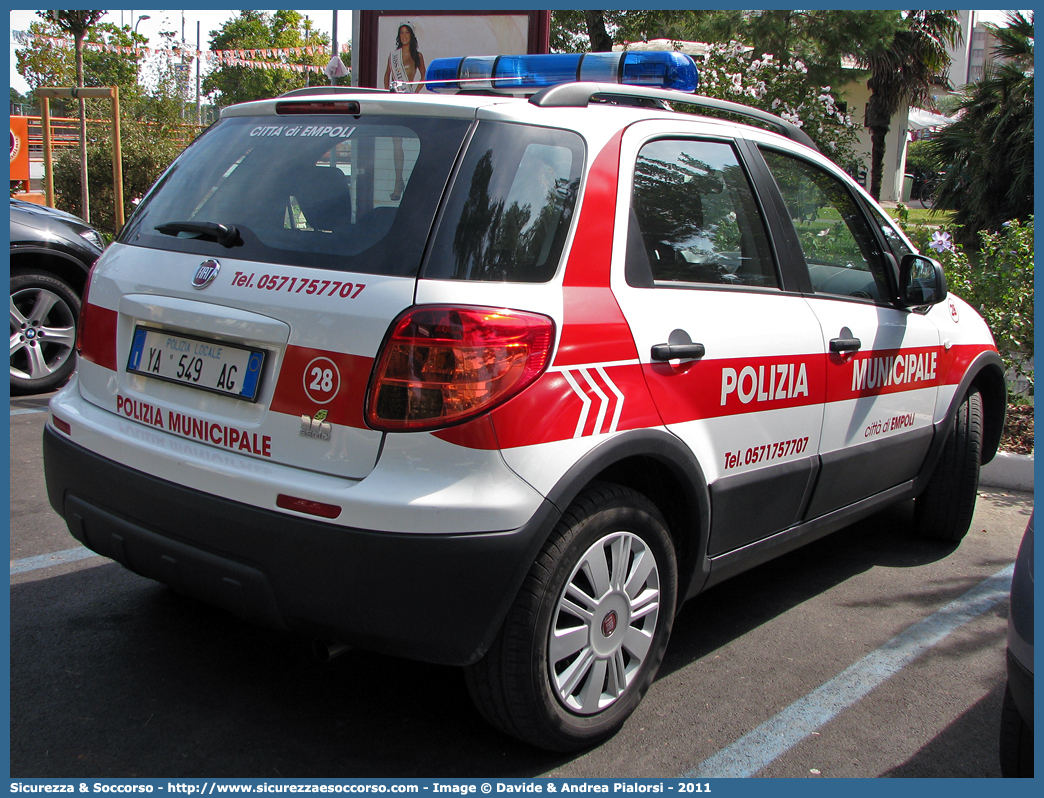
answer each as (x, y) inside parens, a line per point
(1016, 741)
(44, 310)
(928, 192)
(944, 510)
(573, 693)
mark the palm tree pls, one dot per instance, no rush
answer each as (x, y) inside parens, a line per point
(904, 72)
(77, 23)
(988, 152)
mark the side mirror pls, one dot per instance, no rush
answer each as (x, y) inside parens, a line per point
(921, 281)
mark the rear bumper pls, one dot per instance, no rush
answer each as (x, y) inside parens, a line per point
(437, 598)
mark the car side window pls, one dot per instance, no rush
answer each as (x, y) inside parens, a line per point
(694, 219)
(840, 249)
(510, 206)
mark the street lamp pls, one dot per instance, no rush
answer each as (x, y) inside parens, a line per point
(143, 16)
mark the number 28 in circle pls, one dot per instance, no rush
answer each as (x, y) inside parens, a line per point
(322, 380)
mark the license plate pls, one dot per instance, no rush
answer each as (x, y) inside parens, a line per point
(208, 365)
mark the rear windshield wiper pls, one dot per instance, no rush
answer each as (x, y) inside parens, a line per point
(225, 234)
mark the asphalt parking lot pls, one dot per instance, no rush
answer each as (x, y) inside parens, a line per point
(868, 653)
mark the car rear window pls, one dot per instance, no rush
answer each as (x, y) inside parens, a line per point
(346, 193)
(509, 208)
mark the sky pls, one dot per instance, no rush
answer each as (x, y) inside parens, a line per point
(171, 20)
(212, 20)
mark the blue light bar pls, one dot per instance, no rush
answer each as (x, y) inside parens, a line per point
(525, 74)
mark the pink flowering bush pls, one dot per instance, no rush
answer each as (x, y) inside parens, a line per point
(730, 72)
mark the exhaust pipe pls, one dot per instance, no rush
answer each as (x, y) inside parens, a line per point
(326, 650)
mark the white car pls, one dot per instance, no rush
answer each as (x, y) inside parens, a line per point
(596, 357)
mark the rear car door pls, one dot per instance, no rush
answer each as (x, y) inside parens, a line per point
(732, 358)
(882, 361)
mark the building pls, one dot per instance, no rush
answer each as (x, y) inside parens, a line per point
(971, 57)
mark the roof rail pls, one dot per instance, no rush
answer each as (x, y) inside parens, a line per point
(310, 91)
(579, 95)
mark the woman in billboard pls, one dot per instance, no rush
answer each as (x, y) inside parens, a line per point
(405, 62)
(405, 65)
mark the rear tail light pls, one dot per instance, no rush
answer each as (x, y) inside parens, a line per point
(444, 365)
(96, 331)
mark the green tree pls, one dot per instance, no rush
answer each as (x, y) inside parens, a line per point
(988, 153)
(42, 64)
(820, 38)
(20, 103)
(256, 30)
(790, 63)
(150, 120)
(76, 23)
(904, 72)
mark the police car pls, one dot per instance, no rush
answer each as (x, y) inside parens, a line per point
(500, 381)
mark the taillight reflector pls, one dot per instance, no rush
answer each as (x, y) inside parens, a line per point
(444, 365)
(307, 506)
(61, 426)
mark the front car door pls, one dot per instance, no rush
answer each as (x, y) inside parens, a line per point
(883, 361)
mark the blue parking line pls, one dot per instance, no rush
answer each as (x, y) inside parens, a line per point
(47, 560)
(759, 748)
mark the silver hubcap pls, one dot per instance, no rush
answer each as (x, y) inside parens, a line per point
(43, 333)
(604, 623)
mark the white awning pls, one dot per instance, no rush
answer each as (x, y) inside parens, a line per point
(921, 119)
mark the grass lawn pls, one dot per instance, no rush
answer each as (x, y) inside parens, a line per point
(925, 216)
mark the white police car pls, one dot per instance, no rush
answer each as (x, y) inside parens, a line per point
(595, 357)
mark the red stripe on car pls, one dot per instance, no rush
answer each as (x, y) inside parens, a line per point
(594, 328)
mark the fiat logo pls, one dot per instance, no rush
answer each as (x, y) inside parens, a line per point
(205, 274)
(609, 624)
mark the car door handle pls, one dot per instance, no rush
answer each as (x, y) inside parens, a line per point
(664, 352)
(845, 344)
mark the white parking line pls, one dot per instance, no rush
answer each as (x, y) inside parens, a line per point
(47, 560)
(21, 411)
(773, 738)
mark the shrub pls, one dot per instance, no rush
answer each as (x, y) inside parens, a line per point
(147, 150)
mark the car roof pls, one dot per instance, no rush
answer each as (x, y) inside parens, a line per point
(629, 103)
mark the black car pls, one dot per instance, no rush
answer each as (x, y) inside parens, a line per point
(51, 253)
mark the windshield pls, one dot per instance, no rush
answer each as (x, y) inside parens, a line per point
(334, 192)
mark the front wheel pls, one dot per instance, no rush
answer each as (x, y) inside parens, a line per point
(586, 635)
(944, 511)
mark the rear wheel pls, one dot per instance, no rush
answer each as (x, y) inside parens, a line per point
(944, 510)
(44, 310)
(589, 628)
